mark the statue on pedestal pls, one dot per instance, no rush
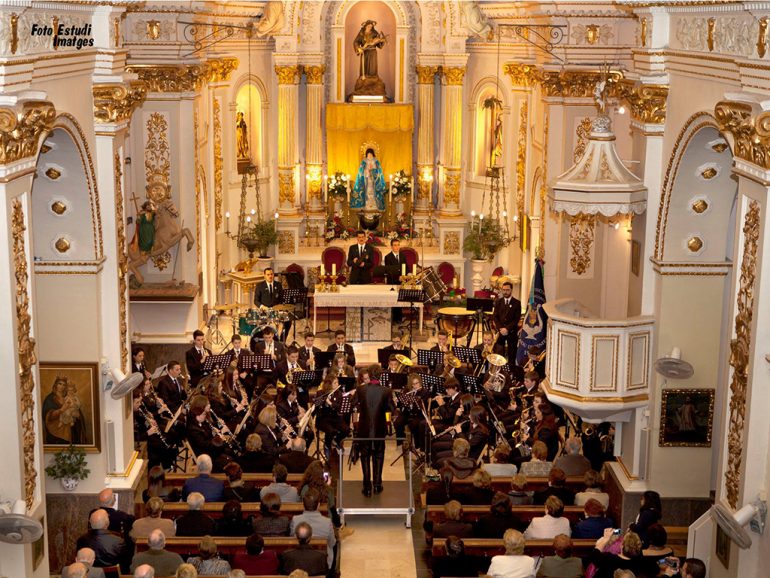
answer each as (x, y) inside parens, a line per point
(365, 46)
(241, 136)
(369, 189)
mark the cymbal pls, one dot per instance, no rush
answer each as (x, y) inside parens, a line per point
(496, 360)
(404, 360)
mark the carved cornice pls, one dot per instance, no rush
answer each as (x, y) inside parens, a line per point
(646, 101)
(220, 69)
(426, 74)
(315, 73)
(116, 102)
(751, 133)
(183, 77)
(21, 126)
(454, 75)
(287, 74)
(522, 74)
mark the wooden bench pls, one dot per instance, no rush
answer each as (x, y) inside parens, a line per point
(228, 547)
(214, 509)
(260, 480)
(526, 513)
(488, 547)
(503, 483)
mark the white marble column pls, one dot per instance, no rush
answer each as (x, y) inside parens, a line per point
(425, 136)
(314, 136)
(452, 128)
(288, 77)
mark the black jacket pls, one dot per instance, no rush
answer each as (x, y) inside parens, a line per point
(263, 296)
(295, 462)
(195, 523)
(194, 362)
(110, 549)
(278, 348)
(120, 522)
(494, 526)
(256, 462)
(360, 275)
(304, 356)
(507, 317)
(173, 395)
(393, 263)
(373, 402)
(305, 558)
(566, 495)
(349, 353)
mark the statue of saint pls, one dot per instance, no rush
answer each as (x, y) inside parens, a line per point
(241, 136)
(369, 189)
(497, 145)
(146, 227)
(365, 46)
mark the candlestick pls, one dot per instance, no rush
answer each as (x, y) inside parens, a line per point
(227, 222)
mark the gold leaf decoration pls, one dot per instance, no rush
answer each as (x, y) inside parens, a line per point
(62, 245)
(694, 244)
(582, 131)
(116, 102)
(52, 173)
(700, 206)
(751, 133)
(521, 157)
(59, 207)
(709, 173)
(218, 169)
(122, 261)
(452, 243)
(454, 75)
(581, 239)
(21, 127)
(157, 166)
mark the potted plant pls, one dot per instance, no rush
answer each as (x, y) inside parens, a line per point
(484, 240)
(69, 467)
(259, 236)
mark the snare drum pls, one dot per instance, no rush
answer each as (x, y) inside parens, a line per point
(458, 320)
(432, 284)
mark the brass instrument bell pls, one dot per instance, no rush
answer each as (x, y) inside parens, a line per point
(403, 361)
(496, 360)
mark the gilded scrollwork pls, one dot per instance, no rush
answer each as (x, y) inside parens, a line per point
(286, 187)
(122, 262)
(315, 73)
(582, 139)
(452, 188)
(454, 75)
(218, 161)
(183, 77)
(452, 243)
(426, 74)
(521, 157)
(116, 102)
(751, 133)
(21, 127)
(286, 242)
(26, 351)
(647, 102)
(581, 240)
(739, 354)
(157, 166)
(287, 74)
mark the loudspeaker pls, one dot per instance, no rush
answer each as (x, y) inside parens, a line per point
(111, 458)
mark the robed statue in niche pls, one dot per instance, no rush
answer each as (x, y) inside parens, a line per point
(365, 45)
(369, 189)
(241, 136)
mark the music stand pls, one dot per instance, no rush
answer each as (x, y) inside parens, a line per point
(468, 355)
(407, 399)
(410, 296)
(395, 381)
(433, 383)
(295, 297)
(324, 359)
(429, 358)
(471, 383)
(347, 383)
(307, 379)
(212, 361)
(259, 362)
(346, 405)
(480, 306)
(383, 355)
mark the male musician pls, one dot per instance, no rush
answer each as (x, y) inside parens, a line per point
(535, 360)
(527, 393)
(170, 388)
(448, 406)
(394, 263)
(396, 345)
(238, 351)
(272, 347)
(269, 293)
(506, 316)
(443, 342)
(340, 345)
(360, 260)
(308, 352)
(195, 356)
(486, 347)
(373, 401)
(291, 365)
(137, 361)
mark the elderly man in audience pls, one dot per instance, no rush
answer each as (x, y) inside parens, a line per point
(76, 570)
(109, 548)
(592, 481)
(286, 492)
(143, 526)
(256, 561)
(211, 488)
(563, 564)
(595, 522)
(556, 487)
(513, 564)
(296, 460)
(551, 525)
(322, 526)
(120, 521)
(144, 571)
(194, 522)
(573, 463)
(86, 557)
(304, 556)
(164, 562)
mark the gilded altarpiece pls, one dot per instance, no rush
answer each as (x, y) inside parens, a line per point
(581, 247)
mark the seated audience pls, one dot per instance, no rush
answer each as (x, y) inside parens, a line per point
(270, 522)
(299, 574)
(538, 465)
(595, 522)
(481, 492)
(156, 487)
(144, 571)
(232, 522)
(296, 459)
(562, 564)
(304, 557)
(254, 460)
(455, 561)
(629, 558)
(236, 488)
(593, 490)
(286, 492)
(498, 520)
(460, 464)
(658, 548)
(109, 548)
(152, 521)
(453, 524)
(550, 525)
(313, 478)
(556, 487)
(120, 522)
(86, 557)
(211, 488)
(513, 563)
(692, 568)
(194, 522)
(75, 570)
(649, 513)
(186, 571)
(236, 574)
(256, 560)
(163, 562)
(207, 562)
(573, 463)
(518, 495)
(501, 465)
(321, 525)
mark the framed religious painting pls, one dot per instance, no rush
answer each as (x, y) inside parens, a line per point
(70, 409)
(686, 417)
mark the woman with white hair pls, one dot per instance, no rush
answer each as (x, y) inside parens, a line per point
(513, 564)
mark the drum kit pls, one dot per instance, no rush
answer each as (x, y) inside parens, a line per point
(254, 321)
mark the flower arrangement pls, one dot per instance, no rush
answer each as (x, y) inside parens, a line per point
(402, 228)
(401, 184)
(338, 185)
(259, 234)
(336, 229)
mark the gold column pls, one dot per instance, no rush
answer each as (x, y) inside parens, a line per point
(314, 136)
(288, 77)
(453, 133)
(425, 144)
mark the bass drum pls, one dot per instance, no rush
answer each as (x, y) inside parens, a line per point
(432, 284)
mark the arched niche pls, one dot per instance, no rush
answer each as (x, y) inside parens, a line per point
(484, 126)
(250, 97)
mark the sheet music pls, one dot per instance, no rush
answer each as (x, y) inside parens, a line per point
(158, 373)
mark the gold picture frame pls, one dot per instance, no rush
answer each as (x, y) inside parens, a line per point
(686, 418)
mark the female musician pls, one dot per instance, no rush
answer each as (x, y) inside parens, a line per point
(267, 428)
(221, 404)
(233, 387)
(159, 449)
(328, 418)
(410, 414)
(288, 408)
(478, 432)
(364, 377)
(340, 367)
(546, 430)
(202, 435)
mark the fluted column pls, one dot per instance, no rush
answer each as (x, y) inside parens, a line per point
(288, 77)
(425, 142)
(453, 132)
(314, 136)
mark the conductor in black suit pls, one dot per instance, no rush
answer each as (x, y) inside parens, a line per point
(269, 293)
(506, 315)
(194, 357)
(374, 401)
(394, 264)
(360, 260)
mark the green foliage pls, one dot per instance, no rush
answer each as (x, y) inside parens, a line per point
(261, 234)
(484, 241)
(69, 463)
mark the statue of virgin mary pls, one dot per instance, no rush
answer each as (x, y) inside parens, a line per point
(369, 189)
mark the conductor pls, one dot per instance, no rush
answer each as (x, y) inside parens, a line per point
(360, 260)
(374, 401)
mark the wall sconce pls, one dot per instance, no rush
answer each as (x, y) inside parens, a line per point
(592, 33)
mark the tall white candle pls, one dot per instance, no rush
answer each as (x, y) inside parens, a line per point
(403, 269)
(414, 269)
(334, 269)
(323, 271)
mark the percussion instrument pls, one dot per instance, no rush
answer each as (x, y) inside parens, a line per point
(247, 321)
(432, 284)
(458, 320)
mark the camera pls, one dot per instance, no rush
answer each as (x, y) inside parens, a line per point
(616, 532)
(670, 562)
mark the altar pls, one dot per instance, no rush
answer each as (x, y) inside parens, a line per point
(367, 310)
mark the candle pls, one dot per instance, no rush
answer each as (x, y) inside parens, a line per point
(334, 269)
(456, 282)
(323, 270)
(403, 269)
(253, 212)
(276, 215)
(414, 269)
(227, 227)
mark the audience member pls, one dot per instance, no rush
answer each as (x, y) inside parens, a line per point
(211, 488)
(552, 524)
(109, 548)
(480, 493)
(453, 524)
(629, 558)
(562, 564)
(593, 490)
(143, 526)
(658, 548)
(120, 522)
(693, 568)
(270, 522)
(296, 459)
(236, 574)
(186, 571)
(538, 465)
(460, 464)
(513, 563)
(649, 513)
(501, 465)
(236, 488)
(455, 561)
(156, 487)
(194, 522)
(254, 460)
(498, 520)
(76, 570)
(256, 561)
(144, 571)
(595, 522)
(207, 562)
(232, 522)
(304, 556)
(518, 495)
(556, 487)
(321, 525)
(286, 492)
(573, 463)
(299, 574)
(163, 562)
(86, 557)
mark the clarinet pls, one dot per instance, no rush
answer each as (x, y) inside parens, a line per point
(152, 423)
(225, 432)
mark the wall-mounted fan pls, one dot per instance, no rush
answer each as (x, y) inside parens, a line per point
(15, 526)
(122, 385)
(673, 366)
(734, 524)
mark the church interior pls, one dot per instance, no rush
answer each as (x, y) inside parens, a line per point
(506, 255)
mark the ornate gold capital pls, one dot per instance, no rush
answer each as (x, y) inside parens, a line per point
(183, 77)
(647, 102)
(315, 73)
(452, 188)
(751, 133)
(522, 74)
(454, 75)
(220, 69)
(287, 74)
(426, 74)
(286, 187)
(116, 102)
(21, 126)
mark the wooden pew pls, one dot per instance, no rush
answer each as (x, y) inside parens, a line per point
(526, 513)
(488, 547)
(220, 576)
(503, 483)
(228, 547)
(214, 509)
(260, 480)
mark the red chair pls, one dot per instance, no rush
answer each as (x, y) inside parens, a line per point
(377, 260)
(483, 294)
(497, 272)
(410, 256)
(446, 271)
(296, 268)
(334, 256)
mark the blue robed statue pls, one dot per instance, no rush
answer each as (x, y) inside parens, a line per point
(369, 189)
